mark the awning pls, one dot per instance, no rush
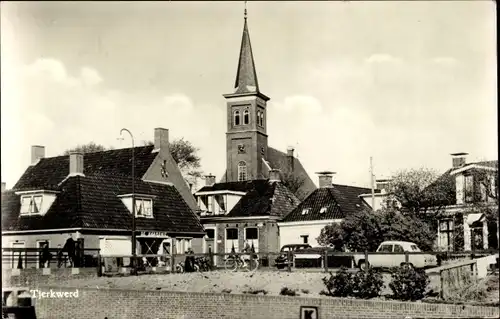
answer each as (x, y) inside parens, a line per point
(472, 218)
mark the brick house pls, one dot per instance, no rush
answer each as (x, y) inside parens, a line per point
(89, 196)
(328, 204)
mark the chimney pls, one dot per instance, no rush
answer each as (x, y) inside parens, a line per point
(75, 164)
(325, 179)
(274, 175)
(161, 139)
(4, 186)
(209, 180)
(382, 184)
(458, 159)
(290, 159)
(37, 152)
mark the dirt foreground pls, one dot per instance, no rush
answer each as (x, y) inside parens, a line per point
(305, 283)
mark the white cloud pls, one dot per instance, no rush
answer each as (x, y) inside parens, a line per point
(90, 76)
(59, 110)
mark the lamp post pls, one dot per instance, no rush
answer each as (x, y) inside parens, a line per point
(133, 261)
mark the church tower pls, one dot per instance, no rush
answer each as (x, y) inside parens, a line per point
(246, 135)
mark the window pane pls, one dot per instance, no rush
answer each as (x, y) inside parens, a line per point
(25, 204)
(210, 233)
(37, 204)
(398, 249)
(232, 233)
(386, 248)
(252, 233)
(148, 209)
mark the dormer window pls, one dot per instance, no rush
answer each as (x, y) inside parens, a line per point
(305, 211)
(143, 204)
(322, 210)
(36, 202)
(31, 205)
(144, 207)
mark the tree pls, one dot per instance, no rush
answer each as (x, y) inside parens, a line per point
(366, 230)
(185, 155)
(291, 180)
(293, 183)
(86, 148)
(420, 191)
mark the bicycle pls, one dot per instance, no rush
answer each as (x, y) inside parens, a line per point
(234, 262)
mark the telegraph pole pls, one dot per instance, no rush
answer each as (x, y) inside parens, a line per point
(372, 182)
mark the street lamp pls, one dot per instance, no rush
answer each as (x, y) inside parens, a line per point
(134, 270)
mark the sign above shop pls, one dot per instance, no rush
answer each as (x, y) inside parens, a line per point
(153, 234)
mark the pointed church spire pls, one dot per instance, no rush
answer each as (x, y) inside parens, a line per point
(246, 78)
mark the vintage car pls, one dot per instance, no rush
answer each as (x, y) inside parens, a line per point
(282, 260)
(392, 254)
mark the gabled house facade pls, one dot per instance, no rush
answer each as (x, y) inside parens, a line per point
(89, 197)
(475, 197)
(328, 204)
(244, 212)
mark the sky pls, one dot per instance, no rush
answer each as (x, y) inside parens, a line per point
(406, 83)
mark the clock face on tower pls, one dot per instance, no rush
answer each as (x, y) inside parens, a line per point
(241, 149)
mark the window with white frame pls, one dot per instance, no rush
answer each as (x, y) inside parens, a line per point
(182, 245)
(242, 171)
(210, 207)
(143, 207)
(31, 204)
(252, 237)
(469, 189)
(262, 119)
(231, 240)
(446, 234)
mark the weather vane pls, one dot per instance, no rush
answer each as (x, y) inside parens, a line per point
(245, 10)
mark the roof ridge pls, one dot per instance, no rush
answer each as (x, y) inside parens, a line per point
(105, 151)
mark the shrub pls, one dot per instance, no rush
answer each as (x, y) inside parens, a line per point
(408, 283)
(226, 291)
(285, 291)
(305, 291)
(255, 291)
(340, 284)
(367, 284)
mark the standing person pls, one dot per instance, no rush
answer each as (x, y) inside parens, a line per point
(59, 256)
(69, 247)
(47, 256)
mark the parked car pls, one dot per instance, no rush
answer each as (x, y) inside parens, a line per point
(390, 260)
(282, 260)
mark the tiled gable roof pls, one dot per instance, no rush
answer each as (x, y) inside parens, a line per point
(93, 202)
(339, 201)
(265, 199)
(50, 171)
(278, 160)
